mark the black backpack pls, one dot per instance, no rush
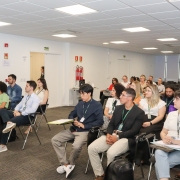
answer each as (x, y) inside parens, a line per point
(119, 169)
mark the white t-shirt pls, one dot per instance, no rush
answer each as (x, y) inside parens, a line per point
(153, 111)
(110, 102)
(171, 123)
(125, 84)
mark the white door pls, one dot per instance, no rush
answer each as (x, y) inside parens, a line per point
(54, 79)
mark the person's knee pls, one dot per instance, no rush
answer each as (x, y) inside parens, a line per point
(159, 153)
(55, 141)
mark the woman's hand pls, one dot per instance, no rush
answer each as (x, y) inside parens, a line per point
(167, 140)
(146, 124)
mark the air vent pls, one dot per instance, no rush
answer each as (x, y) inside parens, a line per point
(67, 31)
(173, 45)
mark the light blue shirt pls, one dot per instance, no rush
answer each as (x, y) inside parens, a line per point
(28, 105)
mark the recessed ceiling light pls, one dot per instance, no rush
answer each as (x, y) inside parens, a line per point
(64, 35)
(167, 51)
(150, 48)
(167, 39)
(105, 43)
(4, 23)
(136, 29)
(119, 42)
(76, 10)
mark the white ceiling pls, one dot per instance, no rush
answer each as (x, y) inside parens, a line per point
(38, 19)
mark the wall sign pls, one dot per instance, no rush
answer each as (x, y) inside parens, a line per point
(6, 45)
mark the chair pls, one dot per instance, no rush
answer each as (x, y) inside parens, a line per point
(142, 138)
(42, 111)
(32, 122)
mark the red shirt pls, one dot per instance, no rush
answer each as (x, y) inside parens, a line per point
(110, 87)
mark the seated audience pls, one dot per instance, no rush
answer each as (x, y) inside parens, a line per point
(125, 81)
(149, 83)
(168, 97)
(14, 91)
(126, 122)
(154, 109)
(89, 114)
(104, 96)
(112, 103)
(132, 84)
(4, 98)
(169, 135)
(151, 79)
(19, 116)
(161, 87)
(43, 95)
(142, 81)
(136, 86)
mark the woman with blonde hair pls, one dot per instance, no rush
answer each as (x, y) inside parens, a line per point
(138, 93)
(154, 109)
(142, 81)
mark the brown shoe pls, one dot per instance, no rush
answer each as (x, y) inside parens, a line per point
(99, 178)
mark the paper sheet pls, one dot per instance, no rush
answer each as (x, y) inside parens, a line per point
(172, 146)
(61, 121)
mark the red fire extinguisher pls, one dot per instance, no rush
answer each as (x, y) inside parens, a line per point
(81, 72)
(77, 73)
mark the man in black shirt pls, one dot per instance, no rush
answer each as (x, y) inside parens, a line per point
(88, 114)
(124, 125)
(168, 98)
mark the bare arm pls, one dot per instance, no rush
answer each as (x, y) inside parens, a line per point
(3, 104)
(106, 110)
(161, 113)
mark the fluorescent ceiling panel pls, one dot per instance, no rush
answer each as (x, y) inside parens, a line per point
(4, 23)
(76, 10)
(119, 42)
(167, 51)
(136, 29)
(105, 43)
(167, 39)
(150, 48)
(64, 35)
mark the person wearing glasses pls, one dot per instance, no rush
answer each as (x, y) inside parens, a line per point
(125, 123)
(112, 103)
(19, 116)
(154, 109)
(88, 114)
(170, 135)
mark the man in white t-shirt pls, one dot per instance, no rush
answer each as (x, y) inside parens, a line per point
(125, 82)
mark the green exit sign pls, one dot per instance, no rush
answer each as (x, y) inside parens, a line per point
(46, 48)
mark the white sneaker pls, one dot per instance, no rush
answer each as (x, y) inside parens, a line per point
(3, 148)
(69, 169)
(60, 170)
(9, 126)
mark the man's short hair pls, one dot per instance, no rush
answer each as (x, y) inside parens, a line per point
(13, 76)
(32, 84)
(151, 76)
(87, 88)
(131, 92)
(125, 76)
(177, 94)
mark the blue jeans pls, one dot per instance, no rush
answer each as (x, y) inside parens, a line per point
(165, 161)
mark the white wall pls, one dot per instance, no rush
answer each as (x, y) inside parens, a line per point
(98, 62)
(98, 65)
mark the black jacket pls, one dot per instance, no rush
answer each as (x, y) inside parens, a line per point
(131, 126)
